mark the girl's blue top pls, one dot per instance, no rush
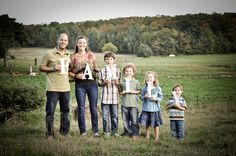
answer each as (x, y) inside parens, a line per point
(148, 104)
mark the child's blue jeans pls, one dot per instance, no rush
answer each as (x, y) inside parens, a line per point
(130, 120)
(177, 128)
(110, 118)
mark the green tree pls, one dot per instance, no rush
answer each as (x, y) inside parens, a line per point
(93, 36)
(133, 37)
(119, 38)
(42, 37)
(32, 33)
(164, 42)
(146, 37)
(11, 34)
(74, 32)
(52, 37)
(62, 28)
(144, 50)
(108, 33)
(183, 44)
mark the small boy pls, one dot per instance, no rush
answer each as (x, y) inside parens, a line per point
(130, 90)
(177, 105)
(109, 81)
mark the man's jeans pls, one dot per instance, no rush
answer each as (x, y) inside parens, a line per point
(52, 99)
(81, 89)
(130, 120)
(110, 118)
(177, 128)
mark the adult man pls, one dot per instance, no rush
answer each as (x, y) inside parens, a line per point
(55, 63)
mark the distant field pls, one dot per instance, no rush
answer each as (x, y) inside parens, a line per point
(180, 65)
(209, 83)
(201, 75)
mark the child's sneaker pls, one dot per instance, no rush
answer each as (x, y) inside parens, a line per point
(107, 135)
(49, 137)
(125, 135)
(134, 137)
(95, 135)
(83, 134)
(116, 135)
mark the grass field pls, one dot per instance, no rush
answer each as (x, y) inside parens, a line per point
(209, 88)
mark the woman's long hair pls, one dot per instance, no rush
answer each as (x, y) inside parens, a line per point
(155, 82)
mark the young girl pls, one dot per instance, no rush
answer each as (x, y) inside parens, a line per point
(151, 96)
(130, 88)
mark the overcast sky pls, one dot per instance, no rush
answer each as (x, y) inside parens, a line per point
(46, 11)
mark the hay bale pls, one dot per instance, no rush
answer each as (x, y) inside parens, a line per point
(86, 112)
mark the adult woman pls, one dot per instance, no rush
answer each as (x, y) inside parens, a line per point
(84, 68)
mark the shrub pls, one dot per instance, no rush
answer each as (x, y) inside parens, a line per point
(144, 51)
(109, 47)
(19, 96)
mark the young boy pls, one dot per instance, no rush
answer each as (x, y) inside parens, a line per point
(109, 78)
(177, 106)
(130, 88)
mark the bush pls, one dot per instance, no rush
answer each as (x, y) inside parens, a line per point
(19, 96)
(144, 51)
(109, 47)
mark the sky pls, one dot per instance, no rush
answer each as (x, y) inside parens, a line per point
(64, 11)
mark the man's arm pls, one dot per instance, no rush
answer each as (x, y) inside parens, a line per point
(45, 68)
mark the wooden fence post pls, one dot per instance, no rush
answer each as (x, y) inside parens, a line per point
(197, 101)
(11, 70)
(35, 61)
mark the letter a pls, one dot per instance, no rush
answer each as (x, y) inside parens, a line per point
(88, 72)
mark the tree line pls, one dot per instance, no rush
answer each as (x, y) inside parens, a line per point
(188, 34)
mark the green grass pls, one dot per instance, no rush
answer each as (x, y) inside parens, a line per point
(209, 83)
(209, 131)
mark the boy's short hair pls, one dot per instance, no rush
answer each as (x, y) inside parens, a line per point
(129, 65)
(177, 85)
(109, 54)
